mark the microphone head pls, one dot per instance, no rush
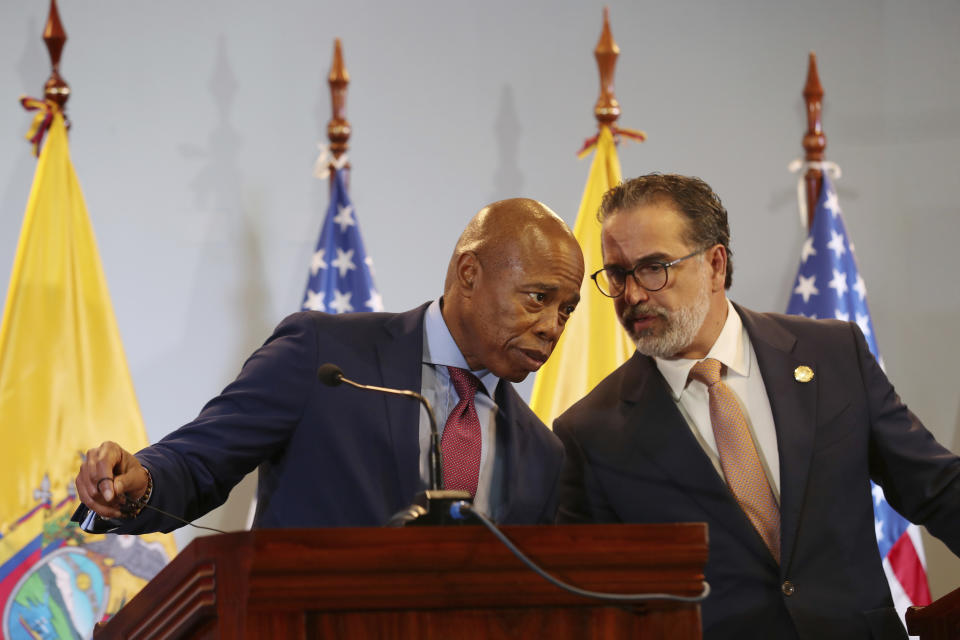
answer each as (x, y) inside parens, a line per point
(330, 374)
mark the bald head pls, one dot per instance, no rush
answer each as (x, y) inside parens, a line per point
(513, 281)
(498, 230)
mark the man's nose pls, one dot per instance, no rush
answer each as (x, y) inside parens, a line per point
(550, 325)
(633, 293)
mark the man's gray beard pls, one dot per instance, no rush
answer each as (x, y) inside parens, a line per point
(681, 325)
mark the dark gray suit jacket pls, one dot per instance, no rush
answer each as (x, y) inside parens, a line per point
(631, 457)
(333, 456)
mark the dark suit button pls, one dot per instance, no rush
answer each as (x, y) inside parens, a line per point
(787, 588)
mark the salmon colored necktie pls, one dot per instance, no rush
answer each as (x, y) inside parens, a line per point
(738, 456)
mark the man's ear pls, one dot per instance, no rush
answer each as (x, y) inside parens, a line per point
(468, 272)
(717, 259)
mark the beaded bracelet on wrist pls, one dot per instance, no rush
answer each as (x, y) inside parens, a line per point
(132, 508)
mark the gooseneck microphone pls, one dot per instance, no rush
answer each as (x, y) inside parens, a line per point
(431, 507)
(332, 376)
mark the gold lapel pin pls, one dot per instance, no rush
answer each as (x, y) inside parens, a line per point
(803, 373)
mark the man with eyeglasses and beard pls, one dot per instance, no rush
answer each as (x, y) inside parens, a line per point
(767, 427)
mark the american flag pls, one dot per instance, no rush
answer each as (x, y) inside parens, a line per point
(829, 286)
(341, 272)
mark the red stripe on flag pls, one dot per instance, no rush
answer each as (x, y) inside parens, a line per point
(906, 566)
(6, 587)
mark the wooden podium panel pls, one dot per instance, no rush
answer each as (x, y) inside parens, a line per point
(939, 620)
(421, 582)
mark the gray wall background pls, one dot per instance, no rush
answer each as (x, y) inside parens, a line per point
(196, 125)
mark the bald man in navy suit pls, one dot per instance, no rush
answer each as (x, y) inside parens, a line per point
(344, 457)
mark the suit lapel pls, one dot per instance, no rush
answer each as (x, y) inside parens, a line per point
(400, 353)
(794, 407)
(512, 444)
(662, 437)
(508, 450)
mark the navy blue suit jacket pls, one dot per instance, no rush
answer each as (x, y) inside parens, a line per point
(631, 457)
(333, 456)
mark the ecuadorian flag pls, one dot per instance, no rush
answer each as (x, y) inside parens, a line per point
(64, 387)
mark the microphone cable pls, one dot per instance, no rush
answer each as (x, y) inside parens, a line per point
(179, 519)
(463, 510)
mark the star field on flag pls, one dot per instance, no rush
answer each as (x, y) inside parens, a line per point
(828, 282)
(829, 285)
(341, 272)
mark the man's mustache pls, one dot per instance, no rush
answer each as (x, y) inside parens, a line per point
(643, 310)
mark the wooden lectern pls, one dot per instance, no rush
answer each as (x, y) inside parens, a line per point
(421, 582)
(937, 621)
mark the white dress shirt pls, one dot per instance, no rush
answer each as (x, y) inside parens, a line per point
(439, 352)
(741, 373)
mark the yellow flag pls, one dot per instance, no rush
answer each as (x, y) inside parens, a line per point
(593, 343)
(64, 387)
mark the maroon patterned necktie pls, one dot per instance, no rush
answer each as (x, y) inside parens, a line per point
(460, 443)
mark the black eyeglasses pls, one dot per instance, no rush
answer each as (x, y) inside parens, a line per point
(652, 276)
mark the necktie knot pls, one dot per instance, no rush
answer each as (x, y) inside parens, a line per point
(464, 383)
(707, 371)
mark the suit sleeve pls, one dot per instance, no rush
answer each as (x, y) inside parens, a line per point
(920, 478)
(195, 467)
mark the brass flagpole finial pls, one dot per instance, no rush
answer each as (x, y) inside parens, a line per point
(607, 109)
(338, 129)
(56, 88)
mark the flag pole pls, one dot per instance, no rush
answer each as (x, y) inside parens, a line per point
(56, 88)
(593, 343)
(829, 286)
(341, 273)
(607, 109)
(814, 140)
(338, 129)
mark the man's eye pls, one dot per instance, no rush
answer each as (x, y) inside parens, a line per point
(615, 274)
(570, 309)
(653, 268)
(537, 296)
